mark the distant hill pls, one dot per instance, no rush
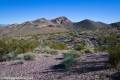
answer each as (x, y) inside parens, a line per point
(115, 25)
(44, 26)
(39, 26)
(89, 24)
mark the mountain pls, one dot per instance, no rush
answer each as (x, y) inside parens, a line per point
(45, 26)
(62, 20)
(38, 26)
(115, 25)
(89, 24)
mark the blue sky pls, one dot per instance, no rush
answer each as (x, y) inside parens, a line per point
(17, 11)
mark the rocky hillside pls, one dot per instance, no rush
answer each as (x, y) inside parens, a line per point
(45, 26)
(62, 20)
(116, 25)
(89, 24)
(39, 26)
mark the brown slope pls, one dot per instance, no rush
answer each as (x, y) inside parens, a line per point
(39, 26)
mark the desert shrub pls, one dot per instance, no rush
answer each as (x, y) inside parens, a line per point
(59, 46)
(48, 50)
(28, 56)
(109, 39)
(101, 48)
(87, 50)
(19, 46)
(20, 56)
(79, 47)
(35, 37)
(70, 59)
(114, 52)
(9, 48)
(52, 52)
(11, 56)
(111, 44)
(11, 44)
(26, 46)
(3, 50)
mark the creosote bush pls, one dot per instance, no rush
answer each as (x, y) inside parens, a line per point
(9, 48)
(101, 48)
(29, 56)
(79, 47)
(70, 59)
(59, 46)
(25, 56)
(111, 44)
(114, 52)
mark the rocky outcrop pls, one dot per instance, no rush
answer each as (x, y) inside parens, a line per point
(62, 20)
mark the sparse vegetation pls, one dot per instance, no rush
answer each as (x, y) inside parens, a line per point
(79, 47)
(114, 52)
(9, 48)
(101, 48)
(111, 44)
(70, 59)
(59, 46)
(52, 52)
(88, 50)
(29, 56)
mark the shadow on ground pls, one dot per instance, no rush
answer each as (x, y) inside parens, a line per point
(116, 76)
(84, 67)
(88, 64)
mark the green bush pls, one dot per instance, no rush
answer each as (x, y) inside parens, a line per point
(111, 44)
(79, 47)
(87, 50)
(109, 39)
(20, 57)
(26, 56)
(52, 52)
(9, 48)
(11, 56)
(3, 50)
(101, 48)
(114, 52)
(59, 46)
(26, 46)
(70, 59)
(29, 56)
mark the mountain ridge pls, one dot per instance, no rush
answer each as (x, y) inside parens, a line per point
(59, 24)
(58, 20)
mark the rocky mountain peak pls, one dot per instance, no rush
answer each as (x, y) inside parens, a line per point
(62, 20)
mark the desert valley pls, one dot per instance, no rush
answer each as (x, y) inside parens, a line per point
(60, 49)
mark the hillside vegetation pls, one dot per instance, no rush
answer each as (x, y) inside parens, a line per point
(60, 47)
(10, 48)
